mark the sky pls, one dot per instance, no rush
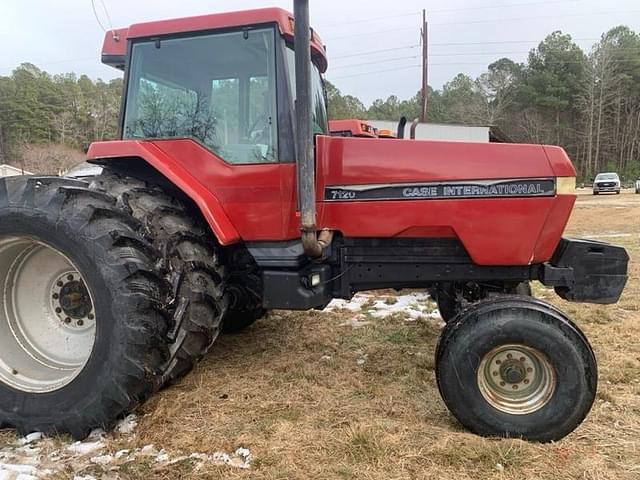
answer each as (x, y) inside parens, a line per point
(372, 45)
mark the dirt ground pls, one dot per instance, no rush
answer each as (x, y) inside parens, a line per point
(319, 395)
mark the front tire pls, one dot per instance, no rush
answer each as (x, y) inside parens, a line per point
(516, 367)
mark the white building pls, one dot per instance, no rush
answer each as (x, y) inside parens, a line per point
(447, 132)
(7, 170)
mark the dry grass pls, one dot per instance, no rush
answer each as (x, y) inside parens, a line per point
(290, 389)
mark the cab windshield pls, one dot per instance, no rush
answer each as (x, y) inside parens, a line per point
(217, 89)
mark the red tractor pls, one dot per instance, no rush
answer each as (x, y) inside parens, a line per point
(226, 197)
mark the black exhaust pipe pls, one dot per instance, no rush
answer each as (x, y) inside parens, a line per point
(401, 124)
(313, 246)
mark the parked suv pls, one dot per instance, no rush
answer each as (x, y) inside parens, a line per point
(606, 182)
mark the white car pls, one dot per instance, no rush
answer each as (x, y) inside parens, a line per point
(637, 185)
(606, 182)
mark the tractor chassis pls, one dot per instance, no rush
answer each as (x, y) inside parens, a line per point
(580, 270)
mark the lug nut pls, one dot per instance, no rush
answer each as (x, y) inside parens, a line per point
(91, 316)
(67, 320)
(515, 387)
(529, 369)
(502, 384)
(498, 362)
(526, 381)
(80, 322)
(56, 296)
(495, 374)
(59, 283)
(509, 356)
(58, 310)
(522, 359)
(69, 277)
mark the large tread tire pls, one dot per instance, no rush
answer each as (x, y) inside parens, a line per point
(191, 265)
(524, 321)
(129, 296)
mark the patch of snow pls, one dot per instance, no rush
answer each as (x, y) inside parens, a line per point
(121, 453)
(32, 437)
(412, 305)
(149, 450)
(241, 458)
(162, 457)
(103, 459)
(83, 448)
(326, 358)
(26, 469)
(127, 425)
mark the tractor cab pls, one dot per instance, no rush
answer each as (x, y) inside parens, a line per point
(228, 84)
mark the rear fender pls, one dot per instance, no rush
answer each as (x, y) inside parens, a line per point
(173, 172)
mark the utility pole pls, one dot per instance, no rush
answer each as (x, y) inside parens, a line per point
(425, 67)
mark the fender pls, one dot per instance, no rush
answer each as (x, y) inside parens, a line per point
(175, 172)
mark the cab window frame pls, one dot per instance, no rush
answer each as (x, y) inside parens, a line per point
(283, 102)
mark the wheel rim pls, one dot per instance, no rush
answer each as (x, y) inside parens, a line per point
(47, 320)
(516, 379)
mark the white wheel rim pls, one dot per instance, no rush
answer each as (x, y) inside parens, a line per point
(47, 320)
(516, 379)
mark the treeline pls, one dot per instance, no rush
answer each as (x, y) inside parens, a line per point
(587, 102)
(62, 112)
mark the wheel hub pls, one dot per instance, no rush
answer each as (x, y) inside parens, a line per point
(71, 302)
(516, 379)
(513, 371)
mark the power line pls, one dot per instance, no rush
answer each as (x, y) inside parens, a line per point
(373, 52)
(371, 19)
(488, 7)
(495, 20)
(450, 10)
(475, 22)
(375, 62)
(378, 71)
(407, 67)
(106, 13)
(504, 42)
(95, 14)
(445, 44)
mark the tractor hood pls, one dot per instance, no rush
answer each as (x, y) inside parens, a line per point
(507, 203)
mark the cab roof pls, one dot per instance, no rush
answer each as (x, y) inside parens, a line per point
(114, 49)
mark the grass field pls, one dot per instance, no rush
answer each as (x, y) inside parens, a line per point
(318, 395)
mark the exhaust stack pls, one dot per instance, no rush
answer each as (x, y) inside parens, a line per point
(313, 246)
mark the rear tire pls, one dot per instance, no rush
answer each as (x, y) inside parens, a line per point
(516, 367)
(190, 263)
(113, 278)
(245, 293)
